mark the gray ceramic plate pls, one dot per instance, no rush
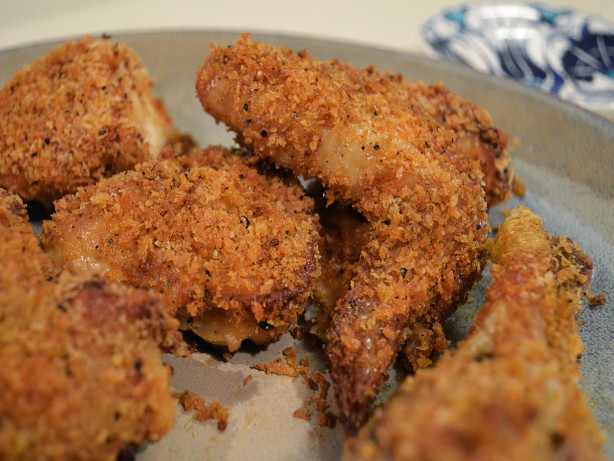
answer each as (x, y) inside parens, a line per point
(564, 155)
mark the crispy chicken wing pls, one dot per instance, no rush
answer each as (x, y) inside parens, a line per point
(345, 233)
(509, 391)
(82, 375)
(232, 252)
(356, 132)
(82, 112)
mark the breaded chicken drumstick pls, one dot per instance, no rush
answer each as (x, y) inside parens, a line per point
(82, 376)
(232, 252)
(82, 112)
(355, 131)
(509, 390)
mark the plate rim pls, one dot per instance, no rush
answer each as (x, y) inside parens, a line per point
(261, 35)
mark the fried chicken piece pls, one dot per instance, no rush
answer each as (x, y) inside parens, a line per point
(475, 134)
(82, 112)
(509, 391)
(476, 137)
(354, 131)
(19, 247)
(231, 252)
(82, 374)
(344, 234)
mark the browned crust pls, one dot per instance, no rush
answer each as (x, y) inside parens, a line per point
(476, 135)
(69, 119)
(204, 411)
(344, 234)
(206, 232)
(363, 341)
(82, 374)
(509, 391)
(424, 200)
(22, 257)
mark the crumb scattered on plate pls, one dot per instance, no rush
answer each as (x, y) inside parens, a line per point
(203, 410)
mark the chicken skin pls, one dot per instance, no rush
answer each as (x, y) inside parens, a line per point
(355, 131)
(509, 390)
(231, 252)
(82, 112)
(82, 375)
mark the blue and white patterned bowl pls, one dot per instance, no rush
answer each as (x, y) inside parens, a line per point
(558, 50)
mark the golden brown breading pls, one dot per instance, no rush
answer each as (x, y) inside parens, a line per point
(509, 391)
(476, 136)
(352, 130)
(81, 112)
(204, 411)
(22, 258)
(344, 234)
(82, 374)
(232, 253)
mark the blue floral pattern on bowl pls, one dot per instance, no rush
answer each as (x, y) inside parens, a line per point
(556, 49)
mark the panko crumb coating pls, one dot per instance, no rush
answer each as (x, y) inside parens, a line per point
(232, 253)
(510, 390)
(19, 246)
(81, 112)
(475, 134)
(343, 236)
(354, 130)
(82, 376)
